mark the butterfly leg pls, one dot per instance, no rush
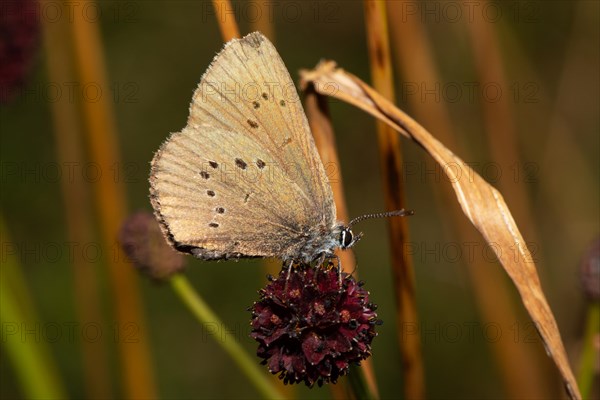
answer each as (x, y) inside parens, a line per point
(339, 268)
(318, 265)
(287, 278)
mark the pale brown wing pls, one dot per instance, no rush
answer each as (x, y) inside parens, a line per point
(243, 178)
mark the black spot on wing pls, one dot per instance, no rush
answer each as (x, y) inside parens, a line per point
(240, 163)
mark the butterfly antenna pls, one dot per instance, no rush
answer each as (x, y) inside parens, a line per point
(395, 213)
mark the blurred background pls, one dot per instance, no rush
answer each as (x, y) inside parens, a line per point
(91, 89)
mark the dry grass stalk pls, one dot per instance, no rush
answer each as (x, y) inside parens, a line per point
(481, 203)
(391, 166)
(518, 362)
(264, 24)
(69, 149)
(102, 139)
(519, 366)
(499, 119)
(226, 20)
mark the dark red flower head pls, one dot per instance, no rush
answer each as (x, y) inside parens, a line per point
(144, 244)
(310, 328)
(19, 34)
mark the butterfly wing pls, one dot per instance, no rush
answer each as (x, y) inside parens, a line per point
(243, 178)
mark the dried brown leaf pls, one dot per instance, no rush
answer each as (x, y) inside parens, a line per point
(481, 203)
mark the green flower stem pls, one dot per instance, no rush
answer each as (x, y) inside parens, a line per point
(31, 359)
(204, 314)
(357, 384)
(589, 354)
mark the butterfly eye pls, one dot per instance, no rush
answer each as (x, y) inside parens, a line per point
(346, 238)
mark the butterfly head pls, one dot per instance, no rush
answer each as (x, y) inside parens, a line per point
(348, 238)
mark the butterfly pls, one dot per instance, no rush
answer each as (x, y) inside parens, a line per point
(243, 178)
